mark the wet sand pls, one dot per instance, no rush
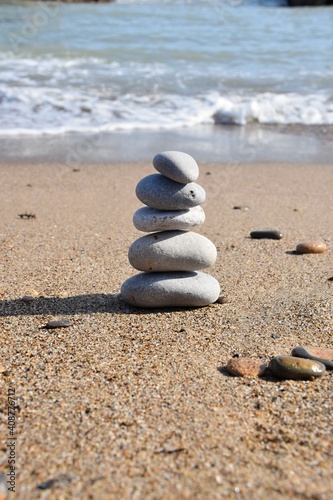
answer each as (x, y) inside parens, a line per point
(131, 403)
(255, 143)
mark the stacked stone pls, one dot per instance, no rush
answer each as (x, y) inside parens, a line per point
(172, 256)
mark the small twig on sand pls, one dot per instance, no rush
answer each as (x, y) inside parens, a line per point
(27, 216)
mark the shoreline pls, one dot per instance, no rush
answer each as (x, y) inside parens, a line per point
(207, 143)
(132, 403)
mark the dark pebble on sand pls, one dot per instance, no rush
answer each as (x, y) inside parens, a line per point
(60, 323)
(290, 367)
(27, 298)
(321, 354)
(271, 234)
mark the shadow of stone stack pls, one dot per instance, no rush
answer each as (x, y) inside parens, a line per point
(172, 256)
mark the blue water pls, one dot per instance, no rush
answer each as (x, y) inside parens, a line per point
(163, 65)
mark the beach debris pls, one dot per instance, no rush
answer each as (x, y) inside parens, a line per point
(321, 354)
(171, 257)
(271, 234)
(241, 207)
(49, 483)
(311, 247)
(294, 368)
(169, 452)
(59, 323)
(246, 367)
(330, 279)
(148, 219)
(27, 216)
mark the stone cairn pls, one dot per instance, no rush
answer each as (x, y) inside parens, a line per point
(172, 256)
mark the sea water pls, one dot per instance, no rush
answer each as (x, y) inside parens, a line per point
(162, 65)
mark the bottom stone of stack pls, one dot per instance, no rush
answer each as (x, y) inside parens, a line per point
(170, 289)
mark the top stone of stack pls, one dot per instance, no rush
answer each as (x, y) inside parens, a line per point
(177, 166)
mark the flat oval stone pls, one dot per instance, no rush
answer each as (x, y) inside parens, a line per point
(291, 367)
(59, 323)
(172, 251)
(271, 234)
(311, 247)
(246, 367)
(157, 191)
(149, 219)
(174, 289)
(321, 354)
(178, 166)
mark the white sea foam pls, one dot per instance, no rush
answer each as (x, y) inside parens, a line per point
(271, 108)
(36, 110)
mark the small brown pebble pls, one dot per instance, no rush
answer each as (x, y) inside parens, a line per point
(222, 300)
(311, 247)
(2, 369)
(246, 367)
(60, 323)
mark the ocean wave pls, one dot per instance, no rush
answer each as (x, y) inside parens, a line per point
(54, 111)
(271, 108)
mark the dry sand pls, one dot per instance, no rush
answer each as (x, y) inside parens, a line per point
(137, 404)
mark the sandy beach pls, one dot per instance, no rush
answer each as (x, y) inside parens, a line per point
(137, 404)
